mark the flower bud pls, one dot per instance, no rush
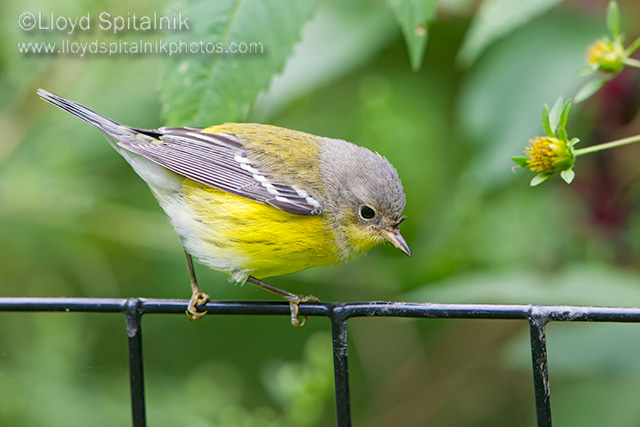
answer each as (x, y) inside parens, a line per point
(549, 155)
(607, 56)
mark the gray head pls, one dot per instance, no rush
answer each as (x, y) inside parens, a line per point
(363, 193)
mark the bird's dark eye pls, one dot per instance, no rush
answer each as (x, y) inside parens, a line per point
(366, 212)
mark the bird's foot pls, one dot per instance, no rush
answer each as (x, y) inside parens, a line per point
(294, 302)
(197, 298)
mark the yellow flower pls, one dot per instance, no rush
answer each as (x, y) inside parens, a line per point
(549, 155)
(607, 56)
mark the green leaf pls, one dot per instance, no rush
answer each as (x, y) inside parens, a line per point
(573, 141)
(209, 88)
(496, 19)
(564, 116)
(521, 161)
(568, 175)
(632, 47)
(591, 87)
(539, 179)
(546, 124)
(414, 17)
(562, 134)
(554, 114)
(613, 18)
(587, 70)
(341, 37)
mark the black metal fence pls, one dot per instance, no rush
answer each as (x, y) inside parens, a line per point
(537, 316)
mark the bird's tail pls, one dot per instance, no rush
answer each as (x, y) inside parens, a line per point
(163, 182)
(99, 121)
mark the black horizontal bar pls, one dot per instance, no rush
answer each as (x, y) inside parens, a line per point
(103, 305)
(347, 310)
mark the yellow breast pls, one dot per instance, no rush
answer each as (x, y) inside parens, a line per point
(244, 237)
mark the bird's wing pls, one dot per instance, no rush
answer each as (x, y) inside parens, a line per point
(219, 161)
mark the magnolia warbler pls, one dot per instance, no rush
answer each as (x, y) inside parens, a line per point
(256, 201)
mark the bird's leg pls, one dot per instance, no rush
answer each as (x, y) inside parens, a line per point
(197, 296)
(294, 300)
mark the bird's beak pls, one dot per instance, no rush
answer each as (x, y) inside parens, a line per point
(396, 239)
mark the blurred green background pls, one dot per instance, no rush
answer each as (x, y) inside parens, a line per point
(75, 220)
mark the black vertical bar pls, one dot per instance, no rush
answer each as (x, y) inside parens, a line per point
(537, 325)
(341, 366)
(136, 377)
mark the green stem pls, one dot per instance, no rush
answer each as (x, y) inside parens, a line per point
(632, 62)
(607, 145)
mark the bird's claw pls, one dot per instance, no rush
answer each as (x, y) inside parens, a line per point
(198, 298)
(294, 306)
